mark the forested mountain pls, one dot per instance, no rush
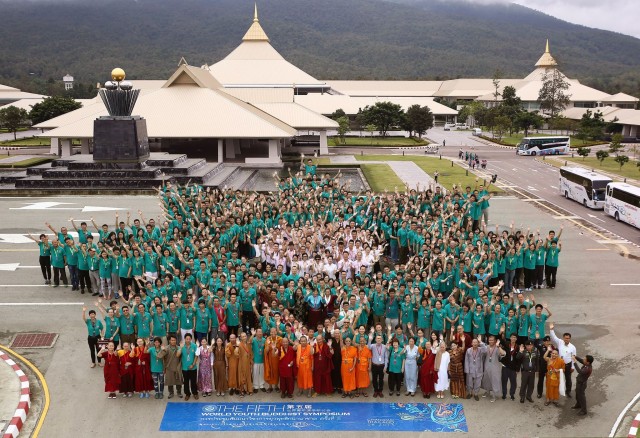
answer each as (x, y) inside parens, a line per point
(330, 39)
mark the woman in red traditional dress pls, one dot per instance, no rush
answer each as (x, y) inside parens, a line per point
(111, 369)
(428, 375)
(142, 368)
(126, 371)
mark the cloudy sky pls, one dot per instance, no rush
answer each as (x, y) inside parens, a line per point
(615, 15)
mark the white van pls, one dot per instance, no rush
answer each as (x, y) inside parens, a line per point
(461, 126)
(477, 132)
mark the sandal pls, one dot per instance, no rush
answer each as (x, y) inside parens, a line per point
(364, 394)
(344, 395)
(546, 403)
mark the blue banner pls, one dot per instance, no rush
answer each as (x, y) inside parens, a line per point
(300, 416)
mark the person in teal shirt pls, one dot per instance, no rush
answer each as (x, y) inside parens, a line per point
(529, 265)
(424, 316)
(95, 330)
(71, 256)
(45, 255)
(58, 263)
(395, 366)
(189, 362)
(478, 321)
(551, 263)
(438, 315)
(310, 168)
(537, 322)
(160, 322)
(105, 267)
(496, 321)
(257, 342)
(407, 315)
(157, 367)
(233, 315)
(143, 322)
(203, 321)
(187, 315)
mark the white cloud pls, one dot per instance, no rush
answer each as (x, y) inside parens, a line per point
(614, 15)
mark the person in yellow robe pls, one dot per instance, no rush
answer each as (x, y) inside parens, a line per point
(348, 367)
(362, 369)
(304, 362)
(272, 348)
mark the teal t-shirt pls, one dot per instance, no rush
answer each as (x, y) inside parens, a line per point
(157, 365)
(111, 325)
(143, 324)
(159, 324)
(71, 253)
(233, 311)
(57, 257)
(94, 327)
(202, 320)
(186, 318)
(45, 249)
(537, 325)
(257, 345)
(127, 325)
(395, 360)
(188, 356)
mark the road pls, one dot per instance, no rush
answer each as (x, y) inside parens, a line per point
(540, 180)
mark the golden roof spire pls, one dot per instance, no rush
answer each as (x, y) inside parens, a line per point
(546, 60)
(255, 32)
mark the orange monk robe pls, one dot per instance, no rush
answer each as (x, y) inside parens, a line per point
(347, 369)
(304, 362)
(245, 367)
(233, 358)
(272, 360)
(362, 369)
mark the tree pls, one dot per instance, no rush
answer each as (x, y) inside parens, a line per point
(583, 152)
(370, 128)
(384, 115)
(502, 124)
(621, 160)
(52, 107)
(552, 96)
(470, 113)
(526, 120)
(419, 119)
(591, 126)
(601, 155)
(13, 118)
(337, 114)
(616, 144)
(511, 106)
(343, 127)
(496, 85)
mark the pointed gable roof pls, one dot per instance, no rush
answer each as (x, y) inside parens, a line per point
(546, 60)
(189, 75)
(255, 32)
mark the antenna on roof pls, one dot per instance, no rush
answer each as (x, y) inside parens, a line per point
(182, 61)
(546, 50)
(255, 11)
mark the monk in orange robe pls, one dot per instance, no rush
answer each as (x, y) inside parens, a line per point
(233, 358)
(348, 367)
(245, 366)
(362, 369)
(272, 348)
(304, 362)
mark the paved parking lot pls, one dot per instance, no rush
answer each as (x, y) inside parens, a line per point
(603, 318)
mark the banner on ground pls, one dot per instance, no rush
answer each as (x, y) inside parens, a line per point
(300, 416)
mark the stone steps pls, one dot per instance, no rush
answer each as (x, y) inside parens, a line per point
(63, 173)
(186, 167)
(166, 160)
(200, 175)
(38, 182)
(220, 180)
(242, 178)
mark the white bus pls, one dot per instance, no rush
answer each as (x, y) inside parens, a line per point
(584, 186)
(544, 146)
(623, 203)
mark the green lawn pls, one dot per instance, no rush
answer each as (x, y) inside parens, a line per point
(629, 170)
(33, 141)
(448, 175)
(25, 163)
(512, 140)
(381, 177)
(376, 141)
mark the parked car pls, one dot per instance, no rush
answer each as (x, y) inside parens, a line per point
(477, 132)
(449, 126)
(461, 126)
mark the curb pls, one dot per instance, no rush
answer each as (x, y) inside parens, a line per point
(635, 424)
(20, 416)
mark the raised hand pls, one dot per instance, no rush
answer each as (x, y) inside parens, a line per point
(551, 326)
(521, 348)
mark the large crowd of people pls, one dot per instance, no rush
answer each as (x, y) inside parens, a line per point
(314, 287)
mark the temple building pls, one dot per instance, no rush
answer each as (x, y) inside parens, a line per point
(250, 106)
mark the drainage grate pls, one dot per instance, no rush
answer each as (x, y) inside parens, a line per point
(34, 340)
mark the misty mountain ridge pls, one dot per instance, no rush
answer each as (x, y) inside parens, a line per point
(330, 39)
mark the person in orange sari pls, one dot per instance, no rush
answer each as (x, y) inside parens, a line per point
(427, 375)
(304, 362)
(245, 366)
(272, 359)
(348, 367)
(555, 365)
(362, 369)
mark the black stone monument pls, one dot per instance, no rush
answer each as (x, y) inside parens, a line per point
(120, 138)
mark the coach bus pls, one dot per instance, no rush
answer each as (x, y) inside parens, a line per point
(584, 186)
(543, 146)
(623, 203)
